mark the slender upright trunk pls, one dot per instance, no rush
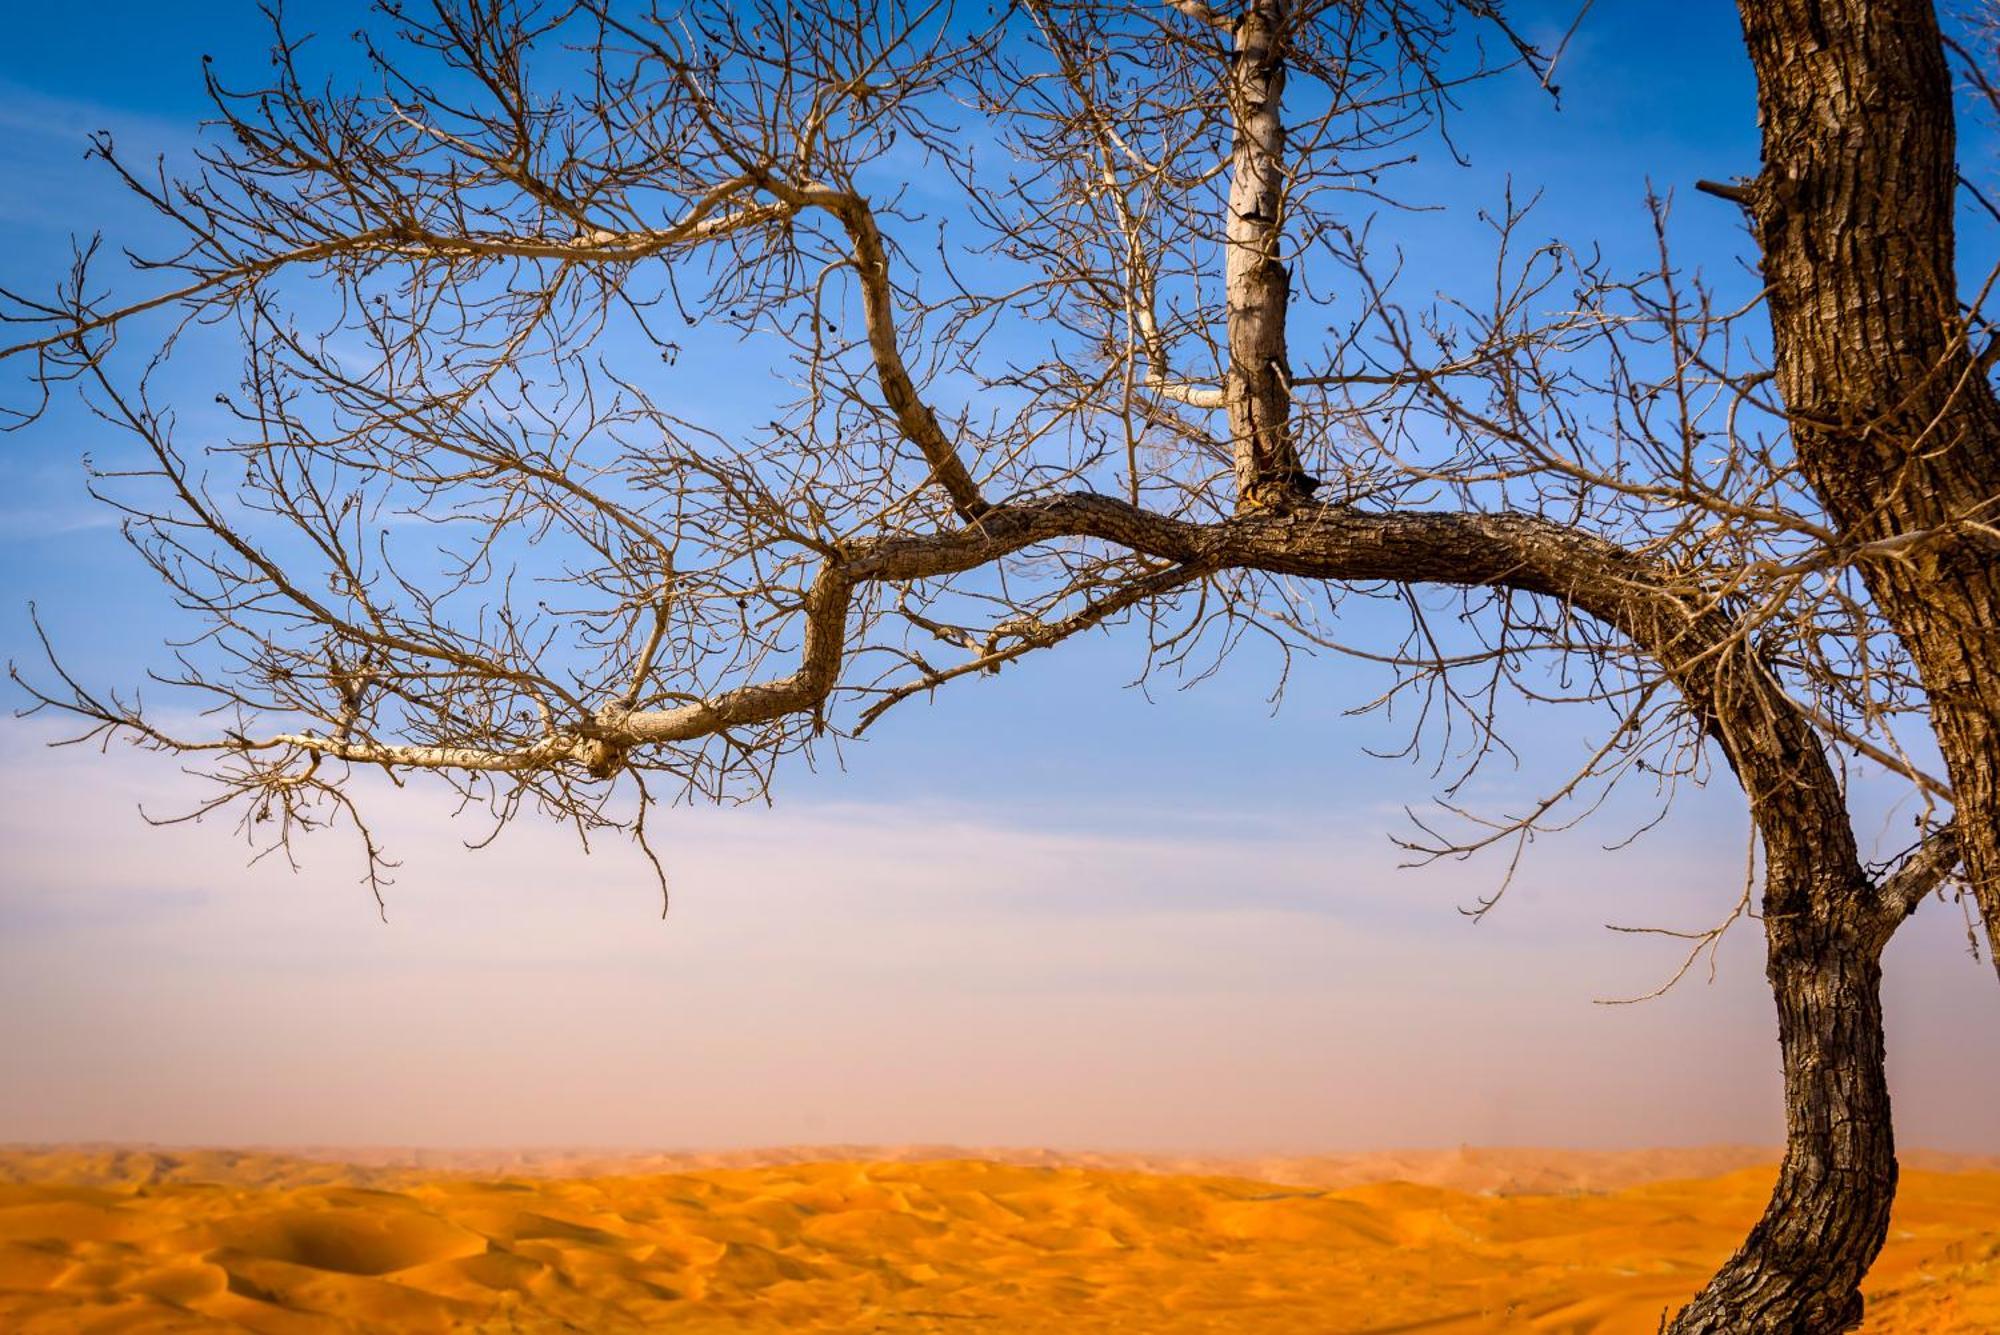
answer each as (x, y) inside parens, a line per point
(1257, 386)
(1895, 421)
(1800, 1270)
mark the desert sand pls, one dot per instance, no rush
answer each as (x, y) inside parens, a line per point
(845, 1238)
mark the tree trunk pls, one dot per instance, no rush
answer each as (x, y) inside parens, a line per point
(1799, 1272)
(1257, 388)
(1894, 419)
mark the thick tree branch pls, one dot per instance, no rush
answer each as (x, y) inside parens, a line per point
(1767, 740)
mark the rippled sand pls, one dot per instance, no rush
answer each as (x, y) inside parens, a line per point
(124, 1241)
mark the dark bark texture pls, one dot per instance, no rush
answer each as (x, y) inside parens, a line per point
(1800, 1270)
(1898, 431)
(1893, 415)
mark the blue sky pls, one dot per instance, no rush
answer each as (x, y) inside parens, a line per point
(1156, 910)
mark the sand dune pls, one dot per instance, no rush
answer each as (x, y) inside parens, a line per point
(118, 1240)
(1505, 1171)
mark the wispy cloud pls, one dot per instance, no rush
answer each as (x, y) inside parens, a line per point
(54, 522)
(42, 136)
(857, 971)
(37, 114)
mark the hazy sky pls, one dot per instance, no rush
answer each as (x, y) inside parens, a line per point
(1045, 909)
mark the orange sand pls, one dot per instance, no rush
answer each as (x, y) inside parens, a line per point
(200, 1241)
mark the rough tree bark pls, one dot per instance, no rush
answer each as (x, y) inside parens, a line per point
(1800, 1270)
(1802, 1265)
(1257, 389)
(1898, 431)
(1892, 412)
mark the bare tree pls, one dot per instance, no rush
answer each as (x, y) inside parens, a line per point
(483, 532)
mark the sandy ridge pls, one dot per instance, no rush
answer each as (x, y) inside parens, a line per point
(121, 1240)
(1500, 1170)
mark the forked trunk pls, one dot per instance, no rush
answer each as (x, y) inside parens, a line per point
(1800, 1270)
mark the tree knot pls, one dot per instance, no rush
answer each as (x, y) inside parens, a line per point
(1278, 493)
(604, 744)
